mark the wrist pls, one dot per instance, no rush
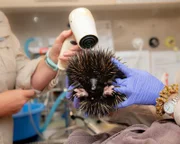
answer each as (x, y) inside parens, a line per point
(170, 105)
(165, 95)
(156, 92)
(177, 113)
(50, 63)
(53, 57)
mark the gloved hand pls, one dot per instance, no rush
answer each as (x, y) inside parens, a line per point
(140, 87)
(69, 94)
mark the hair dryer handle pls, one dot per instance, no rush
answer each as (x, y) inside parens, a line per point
(66, 45)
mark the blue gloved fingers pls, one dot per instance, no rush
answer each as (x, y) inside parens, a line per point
(121, 67)
(67, 82)
(122, 90)
(119, 82)
(68, 95)
(76, 102)
(69, 92)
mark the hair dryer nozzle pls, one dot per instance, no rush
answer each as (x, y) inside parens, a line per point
(88, 41)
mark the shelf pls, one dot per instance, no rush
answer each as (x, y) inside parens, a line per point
(68, 5)
(53, 3)
(147, 4)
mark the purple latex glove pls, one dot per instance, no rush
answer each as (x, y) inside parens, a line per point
(70, 92)
(140, 87)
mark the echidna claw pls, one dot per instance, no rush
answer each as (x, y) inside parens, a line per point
(74, 85)
(125, 98)
(80, 92)
(108, 90)
(71, 90)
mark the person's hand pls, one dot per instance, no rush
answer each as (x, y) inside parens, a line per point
(140, 87)
(13, 100)
(55, 50)
(69, 94)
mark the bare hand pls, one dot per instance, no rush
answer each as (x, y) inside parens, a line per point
(13, 100)
(55, 51)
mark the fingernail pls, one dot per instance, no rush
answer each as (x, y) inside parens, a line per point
(76, 90)
(73, 42)
(112, 86)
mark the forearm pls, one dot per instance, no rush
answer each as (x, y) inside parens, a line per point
(42, 76)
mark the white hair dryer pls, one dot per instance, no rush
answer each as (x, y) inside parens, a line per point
(84, 31)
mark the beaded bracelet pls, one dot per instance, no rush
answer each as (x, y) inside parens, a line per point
(165, 94)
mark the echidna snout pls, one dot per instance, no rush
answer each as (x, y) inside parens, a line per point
(93, 83)
(94, 73)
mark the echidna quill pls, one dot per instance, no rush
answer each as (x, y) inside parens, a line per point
(92, 74)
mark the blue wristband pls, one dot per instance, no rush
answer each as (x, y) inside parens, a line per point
(50, 63)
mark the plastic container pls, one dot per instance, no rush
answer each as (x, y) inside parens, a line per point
(23, 127)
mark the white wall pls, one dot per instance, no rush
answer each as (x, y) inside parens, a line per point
(126, 25)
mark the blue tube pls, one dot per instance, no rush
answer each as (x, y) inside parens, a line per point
(26, 46)
(53, 109)
(66, 115)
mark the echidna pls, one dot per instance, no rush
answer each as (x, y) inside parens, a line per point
(92, 73)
